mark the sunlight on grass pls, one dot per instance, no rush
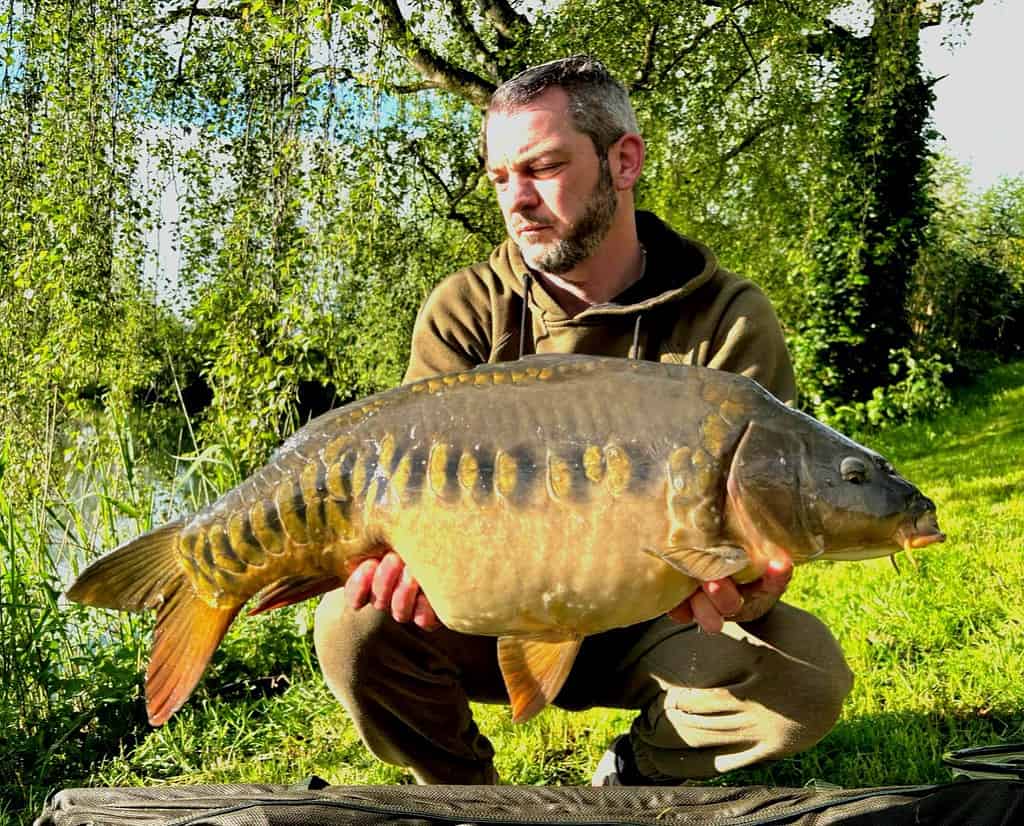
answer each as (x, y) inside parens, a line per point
(938, 650)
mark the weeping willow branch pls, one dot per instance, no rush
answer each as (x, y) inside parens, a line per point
(437, 72)
(453, 198)
(506, 20)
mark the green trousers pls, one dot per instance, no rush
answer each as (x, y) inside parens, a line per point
(707, 703)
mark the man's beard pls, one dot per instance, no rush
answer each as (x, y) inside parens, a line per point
(585, 235)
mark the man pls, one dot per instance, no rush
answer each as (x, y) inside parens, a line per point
(581, 271)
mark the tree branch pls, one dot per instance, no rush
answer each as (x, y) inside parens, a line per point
(747, 69)
(410, 88)
(437, 72)
(505, 19)
(484, 54)
(680, 55)
(749, 140)
(192, 11)
(737, 149)
(643, 75)
(746, 46)
(453, 198)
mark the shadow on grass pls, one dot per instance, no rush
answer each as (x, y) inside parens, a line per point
(887, 749)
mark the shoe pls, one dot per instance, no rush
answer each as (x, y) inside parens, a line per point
(611, 768)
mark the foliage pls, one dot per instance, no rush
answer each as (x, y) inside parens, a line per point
(967, 298)
(242, 204)
(918, 391)
(71, 677)
(871, 209)
(72, 234)
(236, 207)
(66, 675)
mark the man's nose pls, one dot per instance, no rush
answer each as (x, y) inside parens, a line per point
(522, 193)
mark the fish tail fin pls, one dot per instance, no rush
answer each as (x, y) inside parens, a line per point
(135, 576)
(147, 574)
(188, 631)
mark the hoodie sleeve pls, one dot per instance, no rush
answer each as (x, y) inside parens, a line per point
(453, 328)
(749, 340)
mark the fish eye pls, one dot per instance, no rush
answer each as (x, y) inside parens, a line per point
(853, 470)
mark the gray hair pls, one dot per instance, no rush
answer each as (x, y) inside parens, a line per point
(598, 104)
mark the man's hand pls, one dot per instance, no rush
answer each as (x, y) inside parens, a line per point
(387, 585)
(722, 599)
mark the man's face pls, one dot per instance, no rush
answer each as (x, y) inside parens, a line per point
(556, 195)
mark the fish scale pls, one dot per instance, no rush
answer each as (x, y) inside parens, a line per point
(537, 501)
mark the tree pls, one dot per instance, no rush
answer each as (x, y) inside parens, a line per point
(967, 294)
(871, 206)
(72, 249)
(325, 158)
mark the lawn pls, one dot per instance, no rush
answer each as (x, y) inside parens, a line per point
(937, 647)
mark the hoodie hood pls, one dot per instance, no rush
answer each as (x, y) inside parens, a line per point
(685, 309)
(676, 266)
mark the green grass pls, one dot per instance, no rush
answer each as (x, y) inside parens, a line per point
(938, 650)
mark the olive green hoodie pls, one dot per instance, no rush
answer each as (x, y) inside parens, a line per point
(685, 309)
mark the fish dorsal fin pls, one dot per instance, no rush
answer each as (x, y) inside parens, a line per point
(535, 667)
(292, 589)
(704, 564)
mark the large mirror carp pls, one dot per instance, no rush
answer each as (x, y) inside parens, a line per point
(537, 501)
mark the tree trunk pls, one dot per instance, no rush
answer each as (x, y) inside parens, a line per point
(865, 245)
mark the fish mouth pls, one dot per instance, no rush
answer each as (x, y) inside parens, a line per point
(919, 531)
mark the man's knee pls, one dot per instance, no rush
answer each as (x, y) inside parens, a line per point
(767, 690)
(802, 684)
(343, 639)
(796, 723)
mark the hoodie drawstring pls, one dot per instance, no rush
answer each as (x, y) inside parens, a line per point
(527, 282)
(634, 350)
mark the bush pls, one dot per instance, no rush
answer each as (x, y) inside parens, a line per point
(918, 391)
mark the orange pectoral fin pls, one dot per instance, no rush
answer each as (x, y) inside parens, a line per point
(292, 589)
(188, 631)
(535, 667)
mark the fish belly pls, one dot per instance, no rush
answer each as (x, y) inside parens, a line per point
(498, 570)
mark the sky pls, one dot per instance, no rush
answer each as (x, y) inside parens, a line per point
(979, 107)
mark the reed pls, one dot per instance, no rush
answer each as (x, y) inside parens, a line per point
(71, 677)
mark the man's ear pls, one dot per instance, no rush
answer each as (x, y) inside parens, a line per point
(626, 160)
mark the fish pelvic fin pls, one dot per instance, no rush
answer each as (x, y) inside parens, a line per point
(135, 576)
(188, 631)
(292, 589)
(535, 667)
(146, 573)
(704, 564)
